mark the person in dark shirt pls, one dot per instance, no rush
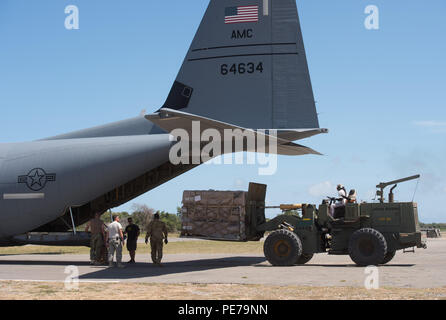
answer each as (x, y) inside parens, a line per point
(132, 231)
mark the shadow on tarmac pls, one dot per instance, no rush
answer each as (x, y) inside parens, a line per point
(143, 270)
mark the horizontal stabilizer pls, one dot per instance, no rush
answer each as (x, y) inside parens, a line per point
(298, 134)
(170, 120)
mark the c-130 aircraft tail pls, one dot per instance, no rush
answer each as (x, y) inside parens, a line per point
(247, 66)
(246, 69)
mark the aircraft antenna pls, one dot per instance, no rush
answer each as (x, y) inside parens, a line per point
(416, 188)
(72, 221)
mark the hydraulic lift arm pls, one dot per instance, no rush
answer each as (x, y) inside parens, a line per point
(383, 185)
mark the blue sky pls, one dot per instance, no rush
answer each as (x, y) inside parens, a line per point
(380, 92)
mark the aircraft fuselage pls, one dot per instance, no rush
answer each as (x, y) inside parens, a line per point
(40, 180)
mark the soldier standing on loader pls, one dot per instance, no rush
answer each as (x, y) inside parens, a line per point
(342, 193)
(97, 238)
(156, 230)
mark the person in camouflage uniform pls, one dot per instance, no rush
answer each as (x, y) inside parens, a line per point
(97, 238)
(156, 231)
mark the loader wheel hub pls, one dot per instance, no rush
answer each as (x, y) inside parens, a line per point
(282, 248)
(366, 247)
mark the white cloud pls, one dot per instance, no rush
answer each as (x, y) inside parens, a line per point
(322, 189)
(369, 195)
(430, 124)
(239, 183)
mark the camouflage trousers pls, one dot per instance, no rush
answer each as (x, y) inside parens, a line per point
(115, 246)
(96, 244)
(157, 250)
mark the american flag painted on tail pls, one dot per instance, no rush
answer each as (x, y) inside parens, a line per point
(241, 14)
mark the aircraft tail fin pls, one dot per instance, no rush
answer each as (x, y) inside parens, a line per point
(247, 66)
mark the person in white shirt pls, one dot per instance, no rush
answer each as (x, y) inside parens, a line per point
(341, 201)
(115, 240)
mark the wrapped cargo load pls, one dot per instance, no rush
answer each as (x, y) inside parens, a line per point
(223, 215)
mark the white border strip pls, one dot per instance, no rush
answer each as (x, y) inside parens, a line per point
(265, 7)
(23, 196)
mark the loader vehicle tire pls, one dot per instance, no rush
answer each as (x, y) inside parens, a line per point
(367, 247)
(304, 258)
(282, 248)
(389, 256)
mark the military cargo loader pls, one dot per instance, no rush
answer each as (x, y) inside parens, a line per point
(370, 233)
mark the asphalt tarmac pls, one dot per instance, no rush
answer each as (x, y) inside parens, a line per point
(426, 268)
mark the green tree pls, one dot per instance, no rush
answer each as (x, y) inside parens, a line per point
(434, 225)
(172, 221)
(142, 215)
(106, 217)
(179, 212)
